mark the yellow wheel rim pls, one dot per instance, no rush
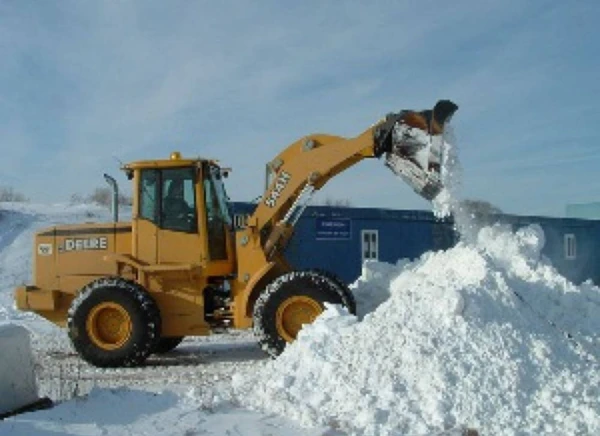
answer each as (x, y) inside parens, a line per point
(108, 326)
(294, 312)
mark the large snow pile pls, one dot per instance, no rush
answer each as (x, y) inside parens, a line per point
(485, 335)
(474, 336)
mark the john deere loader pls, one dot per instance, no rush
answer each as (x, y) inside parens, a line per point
(125, 290)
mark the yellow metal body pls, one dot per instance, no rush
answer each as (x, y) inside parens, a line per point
(312, 160)
(179, 267)
(61, 269)
(176, 267)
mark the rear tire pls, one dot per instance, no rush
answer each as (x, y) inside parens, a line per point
(114, 322)
(291, 300)
(167, 344)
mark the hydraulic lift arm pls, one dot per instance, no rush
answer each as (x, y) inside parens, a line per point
(411, 143)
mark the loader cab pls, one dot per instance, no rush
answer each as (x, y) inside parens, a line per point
(181, 215)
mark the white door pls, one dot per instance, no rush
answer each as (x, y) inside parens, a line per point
(370, 245)
(570, 246)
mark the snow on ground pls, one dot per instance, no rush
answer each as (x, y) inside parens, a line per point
(485, 335)
(138, 412)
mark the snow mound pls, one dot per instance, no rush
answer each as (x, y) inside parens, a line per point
(373, 286)
(484, 335)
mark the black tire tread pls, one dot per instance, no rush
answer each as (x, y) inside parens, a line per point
(147, 327)
(345, 292)
(330, 288)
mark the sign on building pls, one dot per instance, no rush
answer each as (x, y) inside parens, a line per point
(328, 228)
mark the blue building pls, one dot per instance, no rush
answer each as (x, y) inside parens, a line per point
(572, 245)
(339, 239)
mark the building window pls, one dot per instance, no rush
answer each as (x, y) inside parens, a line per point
(570, 246)
(370, 245)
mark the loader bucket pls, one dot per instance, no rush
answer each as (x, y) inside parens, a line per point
(414, 146)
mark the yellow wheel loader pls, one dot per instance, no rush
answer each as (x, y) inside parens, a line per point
(179, 268)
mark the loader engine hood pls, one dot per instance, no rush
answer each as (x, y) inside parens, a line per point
(67, 256)
(414, 147)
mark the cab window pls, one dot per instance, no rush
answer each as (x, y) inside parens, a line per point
(167, 198)
(147, 195)
(178, 200)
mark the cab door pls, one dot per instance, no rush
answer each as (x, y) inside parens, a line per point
(183, 218)
(216, 219)
(145, 217)
(166, 224)
(169, 234)
(179, 237)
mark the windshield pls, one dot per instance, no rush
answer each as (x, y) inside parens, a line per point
(217, 201)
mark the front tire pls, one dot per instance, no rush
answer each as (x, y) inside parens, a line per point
(293, 299)
(114, 322)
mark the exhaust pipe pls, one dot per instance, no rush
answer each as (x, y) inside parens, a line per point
(115, 199)
(413, 144)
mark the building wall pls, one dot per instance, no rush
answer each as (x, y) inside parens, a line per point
(410, 233)
(398, 237)
(400, 234)
(586, 234)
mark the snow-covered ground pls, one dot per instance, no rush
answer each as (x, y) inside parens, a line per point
(485, 335)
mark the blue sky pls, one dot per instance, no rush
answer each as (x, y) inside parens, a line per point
(85, 84)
